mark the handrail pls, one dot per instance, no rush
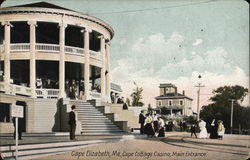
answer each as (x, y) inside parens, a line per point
(19, 47)
(47, 93)
(52, 48)
(73, 50)
(95, 55)
(47, 47)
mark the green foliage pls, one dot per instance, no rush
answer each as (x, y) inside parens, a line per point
(164, 110)
(221, 107)
(150, 110)
(137, 96)
(190, 119)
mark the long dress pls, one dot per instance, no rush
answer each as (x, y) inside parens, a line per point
(156, 124)
(148, 129)
(221, 130)
(203, 132)
(161, 130)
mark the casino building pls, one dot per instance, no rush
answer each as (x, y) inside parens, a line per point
(50, 53)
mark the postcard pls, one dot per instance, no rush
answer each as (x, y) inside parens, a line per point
(123, 79)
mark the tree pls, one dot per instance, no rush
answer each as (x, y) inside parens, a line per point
(220, 108)
(128, 101)
(137, 96)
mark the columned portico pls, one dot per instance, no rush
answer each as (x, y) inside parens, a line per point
(7, 26)
(103, 70)
(62, 61)
(86, 64)
(32, 58)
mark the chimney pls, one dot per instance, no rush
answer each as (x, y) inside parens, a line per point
(183, 92)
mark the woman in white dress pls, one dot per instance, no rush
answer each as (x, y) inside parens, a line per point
(203, 132)
(221, 129)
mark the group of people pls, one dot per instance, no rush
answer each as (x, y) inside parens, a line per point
(216, 129)
(152, 125)
(46, 83)
(74, 89)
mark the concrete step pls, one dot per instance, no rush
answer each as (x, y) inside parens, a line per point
(101, 130)
(92, 116)
(31, 151)
(99, 127)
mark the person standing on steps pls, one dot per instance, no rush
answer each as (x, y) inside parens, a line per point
(72, 123)
(141, 121)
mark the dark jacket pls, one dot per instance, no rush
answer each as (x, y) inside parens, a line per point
(72, 118)
(193, 129)
(141, 118)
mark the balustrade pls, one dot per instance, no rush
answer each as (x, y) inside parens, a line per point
(20, 47)
(95, 95)
(47, 47)
(95, 55)
(47, 93)
(74, 50)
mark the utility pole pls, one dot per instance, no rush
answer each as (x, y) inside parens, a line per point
(198, 99)
(232, 111)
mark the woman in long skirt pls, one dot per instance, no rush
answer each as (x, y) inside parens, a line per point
(161, 128)
(148, 129)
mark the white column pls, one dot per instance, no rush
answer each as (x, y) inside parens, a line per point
(108, 74)
(7, 26)
(32, 58)
(86, 64)
(62, 61)
(103, 70)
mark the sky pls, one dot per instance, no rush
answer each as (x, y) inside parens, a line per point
(173, 41)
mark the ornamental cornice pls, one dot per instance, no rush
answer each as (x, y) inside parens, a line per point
(16, 10)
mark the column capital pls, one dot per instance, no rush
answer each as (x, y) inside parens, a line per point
(108, 43)
(32, 23)
(7, 23)
(62, 25)
(86, 29)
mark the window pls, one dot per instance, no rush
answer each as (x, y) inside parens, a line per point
(4, 112)
(181, 102)
(159, 103)
(170, 102)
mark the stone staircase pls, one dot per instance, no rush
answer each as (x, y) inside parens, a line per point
(93, 122)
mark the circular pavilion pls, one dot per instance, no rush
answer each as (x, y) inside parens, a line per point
(47, 51)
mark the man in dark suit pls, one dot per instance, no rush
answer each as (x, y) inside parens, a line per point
(72, 123)
(193, 130)
(141, 121)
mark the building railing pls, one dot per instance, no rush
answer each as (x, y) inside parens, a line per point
(54, 48)
(47, 47)
(47, 93)
(15, 89)
(1, 48)
(95, 95)
(20, 47)
(95, 55)
(74, 50)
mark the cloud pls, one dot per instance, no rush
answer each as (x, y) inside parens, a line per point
(159, 59)
(197, 42)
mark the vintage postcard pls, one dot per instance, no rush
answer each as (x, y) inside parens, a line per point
(124, 79)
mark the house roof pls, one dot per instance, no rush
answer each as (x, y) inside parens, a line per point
(173, 96)
(166, 85)
(42, 5)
